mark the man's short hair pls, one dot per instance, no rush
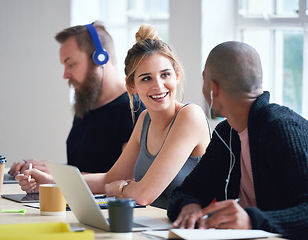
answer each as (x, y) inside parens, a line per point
(236, 66)
(84, 40)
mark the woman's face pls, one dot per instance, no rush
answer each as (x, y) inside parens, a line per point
(155, 82)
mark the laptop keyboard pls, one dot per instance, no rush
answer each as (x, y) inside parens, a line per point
(102, 200)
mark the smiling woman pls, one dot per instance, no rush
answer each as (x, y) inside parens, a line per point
(157, 86)
(169, 137)
(140, 57)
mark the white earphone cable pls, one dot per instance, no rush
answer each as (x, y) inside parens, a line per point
(232, 156)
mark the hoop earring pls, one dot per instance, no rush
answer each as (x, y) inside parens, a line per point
(182, 93)
(138, 106)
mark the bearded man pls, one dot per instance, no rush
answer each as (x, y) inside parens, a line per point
(103, 120)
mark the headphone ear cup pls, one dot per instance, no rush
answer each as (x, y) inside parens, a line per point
(100, 57)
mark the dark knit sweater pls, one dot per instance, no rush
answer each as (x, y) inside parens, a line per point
(278, 141)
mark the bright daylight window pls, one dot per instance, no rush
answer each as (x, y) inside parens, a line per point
(154, 12)
(278, 30)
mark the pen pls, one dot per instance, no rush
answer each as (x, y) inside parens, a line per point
(30, 167)
(210, 214)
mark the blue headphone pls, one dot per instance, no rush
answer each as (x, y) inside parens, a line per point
(100, 55)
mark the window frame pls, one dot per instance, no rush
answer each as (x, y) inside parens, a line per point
(272, 23)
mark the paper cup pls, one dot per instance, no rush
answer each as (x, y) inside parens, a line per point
(2, 169)
(121, 216)
(52, 202)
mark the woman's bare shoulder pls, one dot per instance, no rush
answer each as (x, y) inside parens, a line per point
(193, 113)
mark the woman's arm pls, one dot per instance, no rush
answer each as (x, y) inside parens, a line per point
(189, 135)
(123, 167)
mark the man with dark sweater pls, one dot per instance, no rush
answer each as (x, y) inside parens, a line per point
(259, 154)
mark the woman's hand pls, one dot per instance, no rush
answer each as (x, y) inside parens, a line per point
(112, 189)
(116, 188)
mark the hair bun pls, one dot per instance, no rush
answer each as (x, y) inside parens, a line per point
(146, 32)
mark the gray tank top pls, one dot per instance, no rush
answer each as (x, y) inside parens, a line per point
(145, 160)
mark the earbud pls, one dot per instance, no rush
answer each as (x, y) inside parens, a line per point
(211, 93)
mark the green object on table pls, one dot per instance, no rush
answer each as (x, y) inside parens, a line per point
(13, 210)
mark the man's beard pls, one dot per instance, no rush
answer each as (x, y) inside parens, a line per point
(88, 93)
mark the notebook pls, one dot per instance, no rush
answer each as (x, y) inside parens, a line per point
(82, 203)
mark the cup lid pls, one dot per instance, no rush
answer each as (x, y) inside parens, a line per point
(129, 202)
(2, 159)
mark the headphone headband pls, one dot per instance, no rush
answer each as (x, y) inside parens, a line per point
(100, 55)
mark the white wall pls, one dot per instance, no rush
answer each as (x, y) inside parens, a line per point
(185, 39)
(217, 27)
(196, 26)
(34, 98)
(218, 24)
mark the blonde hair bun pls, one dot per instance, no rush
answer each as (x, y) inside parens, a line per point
(146, 32)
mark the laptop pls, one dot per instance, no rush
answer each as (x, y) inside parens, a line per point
(7, 178)
(82, 202)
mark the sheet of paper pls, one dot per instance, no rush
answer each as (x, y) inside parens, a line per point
(220, 234)
(211, 234)
(34, 205)
(159, 234)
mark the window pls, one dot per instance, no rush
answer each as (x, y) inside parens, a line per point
(278, 30)
(269, 8)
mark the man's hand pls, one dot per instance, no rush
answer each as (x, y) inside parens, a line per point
(21, 166)
(37, 178)
(225, 215)
(188, 216)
